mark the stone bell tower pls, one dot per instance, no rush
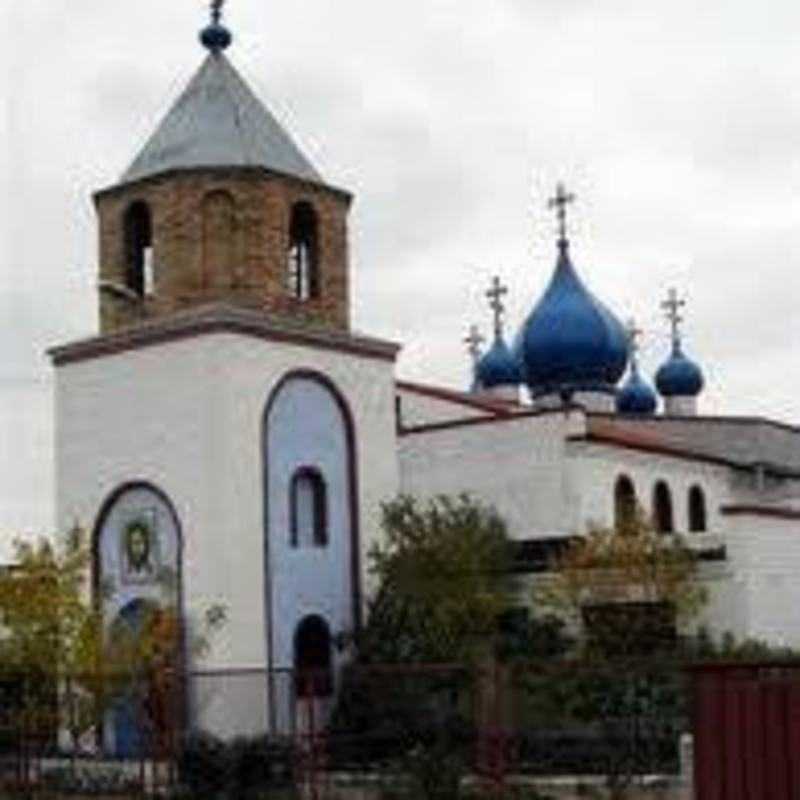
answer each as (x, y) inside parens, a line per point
(222, 206)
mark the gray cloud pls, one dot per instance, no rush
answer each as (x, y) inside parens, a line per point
(451, 120)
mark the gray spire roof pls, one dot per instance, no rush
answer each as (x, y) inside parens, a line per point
(219, 122)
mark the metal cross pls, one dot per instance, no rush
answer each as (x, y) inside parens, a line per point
(495, 295)
(673, 305)
(474, 340)
(634, 333)
(560, 202)
(216, 10)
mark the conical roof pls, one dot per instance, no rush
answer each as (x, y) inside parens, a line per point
(219, 122)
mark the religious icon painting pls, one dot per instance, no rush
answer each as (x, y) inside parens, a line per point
(139, 556)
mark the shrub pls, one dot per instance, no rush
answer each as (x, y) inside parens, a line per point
(237, 770)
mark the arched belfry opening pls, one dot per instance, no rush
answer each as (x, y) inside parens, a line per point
(303, 267)
(138, 231)
(662, 509)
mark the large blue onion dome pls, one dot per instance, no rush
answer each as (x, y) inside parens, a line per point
(636, 396)
(679, 376)
(497, 367)
(570, 341)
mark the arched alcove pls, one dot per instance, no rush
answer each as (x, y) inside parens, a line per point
(219, 239)
(137, 582)
(697, 510)
(624, 504)
(663, 519)
(312, 658)
(309, 440)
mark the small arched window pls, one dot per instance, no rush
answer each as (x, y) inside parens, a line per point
(624, 504)
(138, 228)
(697, 510)
(308, 508)
(662, 508)
(303, 273)
(312, 658)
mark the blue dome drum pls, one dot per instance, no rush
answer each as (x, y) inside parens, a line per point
(679, 376)
(497, 367)
(636, 396)
(571, 342)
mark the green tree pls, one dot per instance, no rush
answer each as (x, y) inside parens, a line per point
(55, 647)
(442, 576)
(50, 632)
(629, 591)
(624, 586)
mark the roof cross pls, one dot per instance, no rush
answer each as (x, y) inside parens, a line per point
(560, 203)
(634, 334)
(495, 294)
(474, 340)
(673, 305)
(216, 11)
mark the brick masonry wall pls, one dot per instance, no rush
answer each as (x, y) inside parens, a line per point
(253, 271)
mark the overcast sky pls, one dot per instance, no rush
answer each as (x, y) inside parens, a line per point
(677, 124)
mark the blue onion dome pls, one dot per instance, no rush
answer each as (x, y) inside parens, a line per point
(679, 376)
(570, 341)
(497, 367)
(636, 396)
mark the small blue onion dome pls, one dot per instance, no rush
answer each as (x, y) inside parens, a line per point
(679, 376)
(216, 37)
(497, 367)
(636, 396)
(571, 341)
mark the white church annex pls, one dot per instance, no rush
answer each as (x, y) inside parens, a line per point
(228, 428)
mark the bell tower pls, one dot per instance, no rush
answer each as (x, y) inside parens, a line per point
(221, 206)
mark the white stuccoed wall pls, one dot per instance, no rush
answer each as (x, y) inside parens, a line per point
(514, 464)
(187, 417)
(765, 557)
(544, 485)
(594, 469)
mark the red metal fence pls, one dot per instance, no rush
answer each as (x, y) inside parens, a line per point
(747, 732)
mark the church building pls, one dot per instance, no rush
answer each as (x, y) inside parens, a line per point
(229, 439)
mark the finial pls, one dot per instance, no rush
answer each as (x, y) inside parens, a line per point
(495, 295)
(560, 203)
(216, 37)
(474, 340)
(673, 305)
